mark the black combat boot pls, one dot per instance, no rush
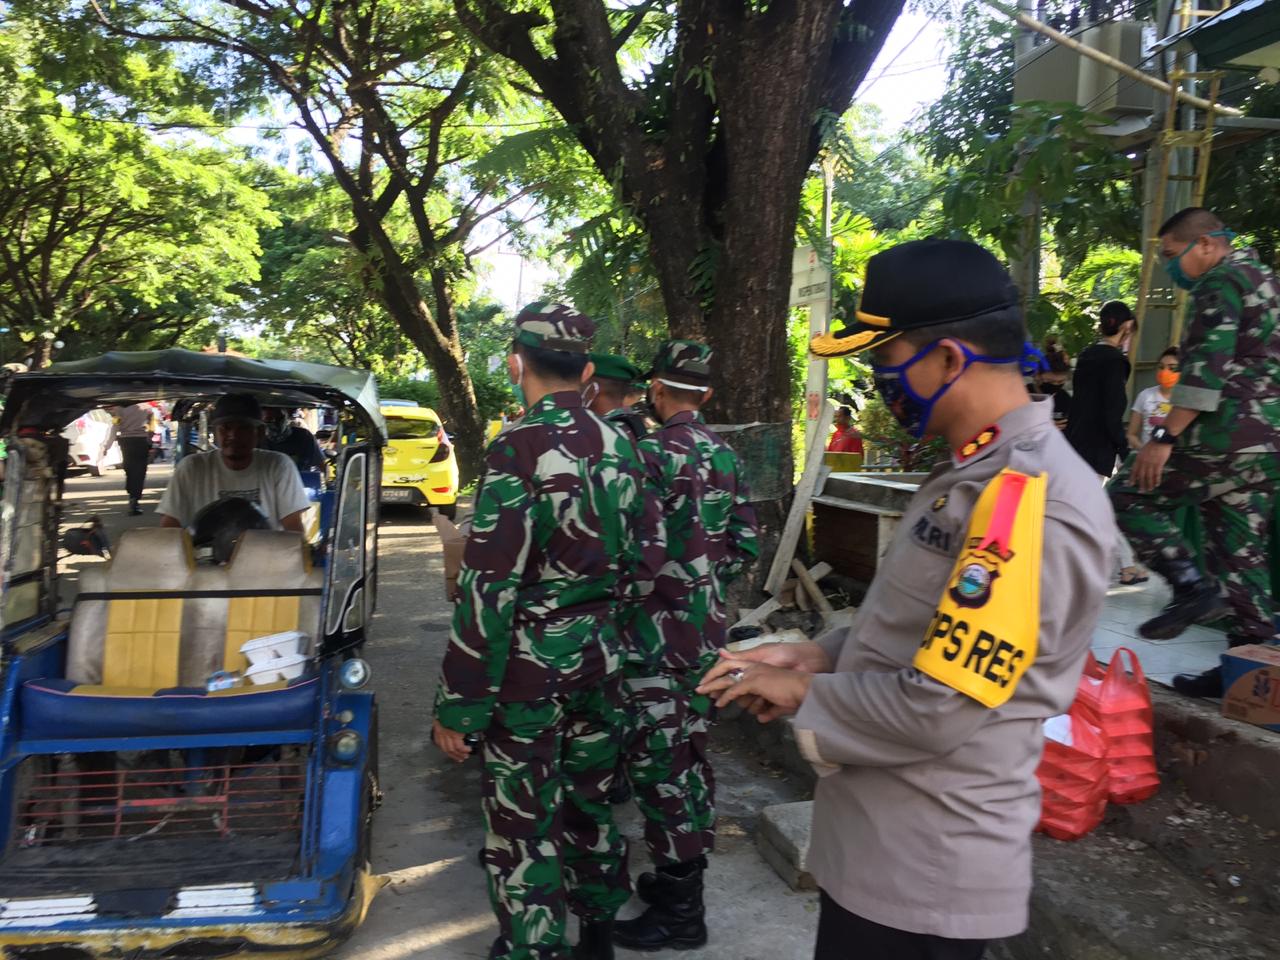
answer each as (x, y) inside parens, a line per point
(675, 918)
(1209, 683)
(1196, 598)
(595, 940)
(647, 883)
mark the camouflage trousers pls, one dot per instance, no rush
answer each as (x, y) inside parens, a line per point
(550, 841)
(1235, 496)
(668, 765)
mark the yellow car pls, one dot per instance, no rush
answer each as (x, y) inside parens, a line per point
(419, 465)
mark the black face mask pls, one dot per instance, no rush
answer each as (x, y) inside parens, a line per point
(1049, 389)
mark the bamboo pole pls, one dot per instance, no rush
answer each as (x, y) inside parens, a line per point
(1031, 23)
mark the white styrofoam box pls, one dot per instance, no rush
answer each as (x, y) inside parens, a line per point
(274, 646)
(280, 668)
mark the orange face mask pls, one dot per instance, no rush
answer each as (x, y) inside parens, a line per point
(1167, 378)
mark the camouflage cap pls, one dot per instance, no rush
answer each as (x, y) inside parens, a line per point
(554, 326)
(610, 366)
(683, 363)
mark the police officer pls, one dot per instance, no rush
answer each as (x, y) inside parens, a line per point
(1219, 443)
(710, 538)
(924, 714)
(534, 657)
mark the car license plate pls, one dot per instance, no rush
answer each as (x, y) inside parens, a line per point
(396, 495)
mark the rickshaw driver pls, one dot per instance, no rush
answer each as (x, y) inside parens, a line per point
(237, 468)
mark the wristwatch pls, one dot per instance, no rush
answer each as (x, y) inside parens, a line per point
(1161, 435)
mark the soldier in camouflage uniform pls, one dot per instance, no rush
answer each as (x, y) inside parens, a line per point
(710, 539)
(534, 659)
(618, 385)
(1219, 443)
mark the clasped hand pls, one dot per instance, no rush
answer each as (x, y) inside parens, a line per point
(771, 680)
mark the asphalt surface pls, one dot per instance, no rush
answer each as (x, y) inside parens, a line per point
(428, 832)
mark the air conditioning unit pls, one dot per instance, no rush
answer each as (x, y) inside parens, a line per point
(1052, 72)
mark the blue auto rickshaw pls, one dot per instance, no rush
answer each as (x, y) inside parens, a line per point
(147, 811)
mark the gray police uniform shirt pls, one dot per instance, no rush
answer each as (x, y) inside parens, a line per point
(923, 816)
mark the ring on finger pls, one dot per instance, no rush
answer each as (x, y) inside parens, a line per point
(737, 674)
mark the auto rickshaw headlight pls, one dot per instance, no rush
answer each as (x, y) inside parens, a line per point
(344, 746)
(354, 674)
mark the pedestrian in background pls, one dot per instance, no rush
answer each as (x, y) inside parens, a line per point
(845, 438)
(924, 716)
(1217, 448)
(534, 659)
(1153, 404)
(710, 538)
(1051, 381)
(131, 428)
(1099, 400)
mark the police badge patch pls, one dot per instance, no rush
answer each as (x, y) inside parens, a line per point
(972, 585)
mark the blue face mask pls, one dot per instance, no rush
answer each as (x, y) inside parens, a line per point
(1174, 265)
(913, 411)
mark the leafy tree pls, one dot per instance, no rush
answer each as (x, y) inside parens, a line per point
(397, 104)
(704, 117)
(109, 235)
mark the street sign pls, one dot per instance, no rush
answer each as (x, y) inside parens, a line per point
(810, 278)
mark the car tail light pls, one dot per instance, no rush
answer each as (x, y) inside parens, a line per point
(439, 489)
(442, 448)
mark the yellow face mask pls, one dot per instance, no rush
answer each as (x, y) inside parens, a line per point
(985, 632)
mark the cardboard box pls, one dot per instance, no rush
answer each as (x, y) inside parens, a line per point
(1251, 685)
(454, 539)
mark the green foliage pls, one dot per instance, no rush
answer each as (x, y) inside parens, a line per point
(111, 234)
(883, 178)
(1050, 160)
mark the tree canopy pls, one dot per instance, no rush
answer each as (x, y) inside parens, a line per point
(108, 227)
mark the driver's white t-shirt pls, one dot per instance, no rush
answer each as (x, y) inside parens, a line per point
(271, 481)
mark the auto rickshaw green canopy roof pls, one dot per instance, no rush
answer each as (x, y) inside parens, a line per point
(53, 397)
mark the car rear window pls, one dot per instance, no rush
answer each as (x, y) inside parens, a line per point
(403, 428)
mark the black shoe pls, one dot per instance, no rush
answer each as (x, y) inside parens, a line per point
(647, 884)
(1207, 684)
(1196, 598)
(676, 919)
(134, 509)
(595, 940)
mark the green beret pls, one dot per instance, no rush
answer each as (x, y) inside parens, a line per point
(610, 366)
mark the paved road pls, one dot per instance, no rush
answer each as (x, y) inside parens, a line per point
(428, 832)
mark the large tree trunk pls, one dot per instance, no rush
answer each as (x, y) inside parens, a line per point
(714, 171)
(398, 291)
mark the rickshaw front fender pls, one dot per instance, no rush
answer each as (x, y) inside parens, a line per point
(265, 936)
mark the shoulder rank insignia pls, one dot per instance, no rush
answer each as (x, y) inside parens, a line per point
(983, 439)
(985, 632)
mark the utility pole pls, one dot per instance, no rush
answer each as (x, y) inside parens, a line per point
(1025, 267)
(815, 392)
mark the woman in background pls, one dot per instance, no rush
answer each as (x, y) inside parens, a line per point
(1099, 401)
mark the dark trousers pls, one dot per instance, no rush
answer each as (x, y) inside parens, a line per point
(846, 936)
(135, 452)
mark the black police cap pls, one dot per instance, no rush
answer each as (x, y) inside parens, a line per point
(918, 284)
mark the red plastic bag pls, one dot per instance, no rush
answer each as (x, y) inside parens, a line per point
(1119, 702)
(1072, 775)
